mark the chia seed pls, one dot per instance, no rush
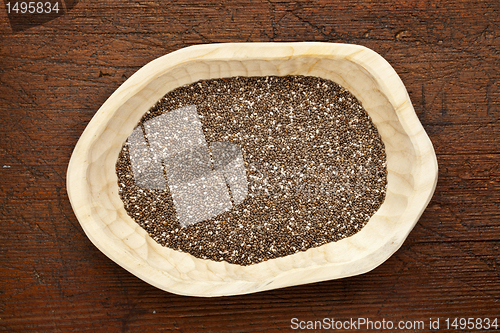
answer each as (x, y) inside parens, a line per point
(315, 166)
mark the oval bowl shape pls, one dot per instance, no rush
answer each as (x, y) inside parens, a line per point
(411, 165)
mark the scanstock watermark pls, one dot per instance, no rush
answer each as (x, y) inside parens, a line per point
(356, 324)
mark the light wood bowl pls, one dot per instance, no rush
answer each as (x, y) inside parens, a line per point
(411, 162)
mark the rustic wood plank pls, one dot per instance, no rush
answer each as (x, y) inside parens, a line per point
(53, 78)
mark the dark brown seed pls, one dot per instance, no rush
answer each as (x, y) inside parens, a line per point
(315, 165)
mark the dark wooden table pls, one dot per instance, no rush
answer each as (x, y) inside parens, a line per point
(57, 69)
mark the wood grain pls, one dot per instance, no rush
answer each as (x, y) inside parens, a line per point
(55, 76)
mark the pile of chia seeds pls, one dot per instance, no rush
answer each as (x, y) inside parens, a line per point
(315, 166)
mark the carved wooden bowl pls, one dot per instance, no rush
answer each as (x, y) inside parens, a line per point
(411, 164)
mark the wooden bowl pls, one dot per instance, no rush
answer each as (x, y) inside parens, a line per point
(411, 163)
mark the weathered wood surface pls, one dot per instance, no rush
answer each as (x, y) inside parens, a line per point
(54, 76)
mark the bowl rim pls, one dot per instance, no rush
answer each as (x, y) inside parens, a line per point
(369, 60)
